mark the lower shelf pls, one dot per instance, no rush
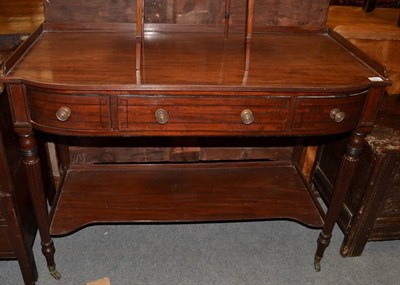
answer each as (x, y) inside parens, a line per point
(183, 193)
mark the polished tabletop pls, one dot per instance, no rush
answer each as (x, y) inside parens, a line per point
(277, 60)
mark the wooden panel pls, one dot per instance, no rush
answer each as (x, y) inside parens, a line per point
(185, 192)
(163, 149)
(306, 14)
(198, 12)
(20, 117)
(387, 225)
(121, 11)
(202, 113)
(315, 113)
(5, 242)
(88, 112)
(374, 98)
(93, 155)
(391, 207)
(2, 218)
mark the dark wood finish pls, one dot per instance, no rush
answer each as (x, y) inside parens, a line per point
(97, 155)
(136, 113)
(182, 193)
(17, 223)
(375, 34)
(372, 205)
(227, 16)
(342, 184)
(216, 63)
(189, 85)
(370, 5)
(29, 150)
(89, 112)
(20, 16)
(309, 14)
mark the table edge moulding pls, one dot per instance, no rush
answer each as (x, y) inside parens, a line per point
(120, 80)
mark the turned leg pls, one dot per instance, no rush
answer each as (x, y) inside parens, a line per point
(29, 151)
(342, 185)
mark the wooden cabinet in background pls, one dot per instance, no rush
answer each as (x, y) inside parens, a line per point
(17, 219)
(372, 207)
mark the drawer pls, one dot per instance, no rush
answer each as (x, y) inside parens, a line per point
(202, 114)
(328, 114)
(64, 111)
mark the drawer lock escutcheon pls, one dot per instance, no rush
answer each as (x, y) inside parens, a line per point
(161, 116)
(63, 114)
(337, 115)
(247, 116)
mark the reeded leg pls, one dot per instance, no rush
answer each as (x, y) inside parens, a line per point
(345, 175)
(29, 151)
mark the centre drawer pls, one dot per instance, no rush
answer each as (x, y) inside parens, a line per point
(202, 114)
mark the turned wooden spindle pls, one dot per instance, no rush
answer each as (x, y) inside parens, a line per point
(29, 150)
(343, 181)
(249, 32)
(139, 31)
(227, 16)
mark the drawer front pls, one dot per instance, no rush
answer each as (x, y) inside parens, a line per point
(331, 115)
(202, 114)
(77, 112)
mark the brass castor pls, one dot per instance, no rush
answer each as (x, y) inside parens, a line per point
(53, 272)
(317, 263)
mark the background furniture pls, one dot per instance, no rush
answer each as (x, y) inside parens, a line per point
(371, 210)
(17, 223)
(372, 207)
(369, 5)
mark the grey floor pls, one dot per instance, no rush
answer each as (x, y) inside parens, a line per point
(272, 252)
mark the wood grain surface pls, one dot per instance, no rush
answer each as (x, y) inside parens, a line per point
(173, 193)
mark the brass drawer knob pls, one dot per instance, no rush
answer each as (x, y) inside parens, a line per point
(161, 116)
(337, 115)
(63, 114)
(247, 116)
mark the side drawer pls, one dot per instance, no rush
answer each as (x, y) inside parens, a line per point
(203, 114)
(332, 115)
(86, 112)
